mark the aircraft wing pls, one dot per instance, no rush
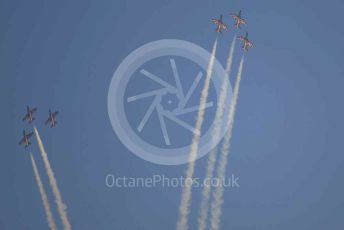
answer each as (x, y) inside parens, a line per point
(224, 27)
(241, 38)
(215, 21)
(22, 141)
(55, 113)
(34, 109)
(25, 117)
(29, 135)
(47, 121)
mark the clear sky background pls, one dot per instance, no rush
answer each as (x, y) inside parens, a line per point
(288, 137)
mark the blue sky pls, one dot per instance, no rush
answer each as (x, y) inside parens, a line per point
(287, 144)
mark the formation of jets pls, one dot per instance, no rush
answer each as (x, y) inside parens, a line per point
(29, 117)
(220, 25)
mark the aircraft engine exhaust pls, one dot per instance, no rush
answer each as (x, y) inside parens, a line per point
(44, 197)
(184, 208)
(203, 213)
(61, 207)
(217, 195)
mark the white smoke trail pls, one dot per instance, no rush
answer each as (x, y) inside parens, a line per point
(203, 213)
(216, 206)
(61, 207)
(44, 197)
(184, 208)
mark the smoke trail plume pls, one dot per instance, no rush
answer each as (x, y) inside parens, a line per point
(47, 209)
(61, 207)
(184, 208)
(216, 206)
(203, 213)
(230, 58)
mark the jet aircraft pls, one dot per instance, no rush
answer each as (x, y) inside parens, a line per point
(25, 140)
(220, 24)
(29, 114)
(246, 43)
(238, 20)
(52, 118)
